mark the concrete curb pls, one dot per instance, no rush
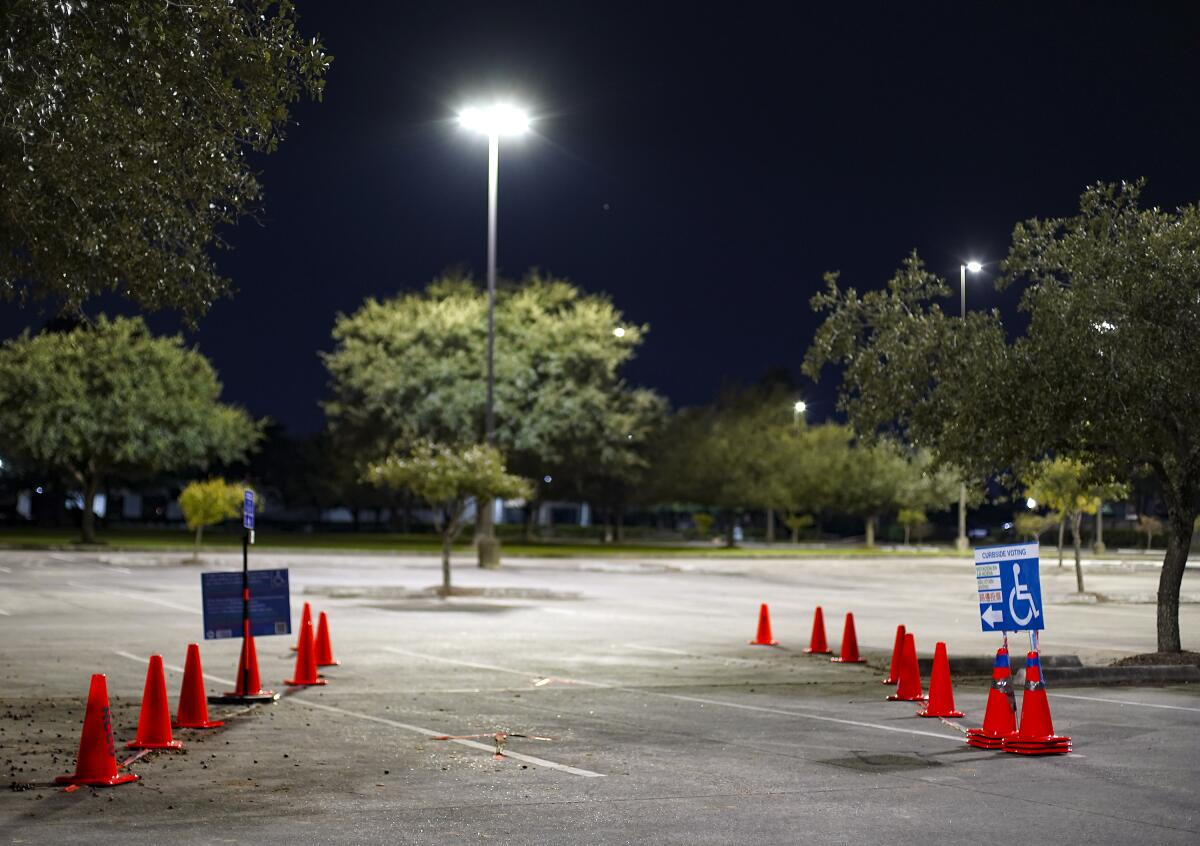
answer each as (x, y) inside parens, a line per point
(1149, 674)
(981, 665)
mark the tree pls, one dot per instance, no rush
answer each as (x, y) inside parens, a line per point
(112, 398)
(1105, 373)
(208, 503)
(874, 482)
(413, 368)
(446, 477)
(911, 518)
(126, 133)
(1031, 526)
(1068, 486)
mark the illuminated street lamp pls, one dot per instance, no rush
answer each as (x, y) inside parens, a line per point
(961, 541)
(798, 411)
(493, 121)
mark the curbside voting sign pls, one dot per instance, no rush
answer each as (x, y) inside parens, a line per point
(1010, 588)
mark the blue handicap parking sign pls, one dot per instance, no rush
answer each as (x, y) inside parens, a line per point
(1010, 588)
(248, 510)
(270, 605)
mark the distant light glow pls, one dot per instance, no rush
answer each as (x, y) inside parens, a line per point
(974, 266)
(40, 489)
(1031, 503)
(547, 479)
(1104, 326)
(800, 407)
(496, 119)
(619, 332)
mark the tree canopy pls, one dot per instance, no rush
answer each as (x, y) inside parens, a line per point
(124, 139)
(207, 503)
(110, 397)
(1105, 372)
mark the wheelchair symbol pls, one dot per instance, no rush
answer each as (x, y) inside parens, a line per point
(1021, 592)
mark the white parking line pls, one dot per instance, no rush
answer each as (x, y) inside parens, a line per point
(4, 613)
(518, 756)
(644, 648)
(140, 596)
(1124, 702)
(681, 698)
(5, 570)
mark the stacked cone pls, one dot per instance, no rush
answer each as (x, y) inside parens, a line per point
(305, 673)
(248, 686)
(908, 686)
(193, 707)
(999, 719)
(1035, 736)
(96, 765)
(817, 644)
(323, 649)
(763, 636)
(941, 690)
(849, 644)
(893, 676)
(154, 721)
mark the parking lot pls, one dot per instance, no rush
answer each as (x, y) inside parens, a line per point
(634, 709)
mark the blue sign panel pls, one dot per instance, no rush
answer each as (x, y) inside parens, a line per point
(270, 607)
(1010, 589)
(248, 511)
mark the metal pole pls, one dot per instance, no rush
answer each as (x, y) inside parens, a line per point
(961, 540)
(493, 169)
(246, 612)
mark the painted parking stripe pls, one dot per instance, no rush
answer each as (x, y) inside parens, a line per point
(1124, 702)
(517, 756)
(139, 596)
(681, 698)
(662, 649)
(4, 613)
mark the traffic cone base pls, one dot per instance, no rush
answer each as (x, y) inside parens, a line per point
(849, 644)
(893, 676)
(908, 689)
(154, 720)
(193, 709)
(322, 646)
(306, 661)
(96, 763)
(941, 690)
(763, 636)
(817, 644)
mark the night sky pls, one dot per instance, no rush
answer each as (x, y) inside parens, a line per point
(704, 168)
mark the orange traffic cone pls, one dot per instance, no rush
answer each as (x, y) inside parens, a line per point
(999, 720)
(817, 644)
(322, 647)
(193, 707)
(96, 764)
(305, 619)
(849, 644)
(1035, 736)
(154, 721)
(763, 637)
(893, 676)
(908, 689)
(306, 660)
(248, 687)
(941, 691)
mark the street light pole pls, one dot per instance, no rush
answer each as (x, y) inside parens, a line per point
(961, 541)
(494, 121)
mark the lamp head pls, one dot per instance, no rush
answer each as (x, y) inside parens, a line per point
(974, 266)
(496, 119)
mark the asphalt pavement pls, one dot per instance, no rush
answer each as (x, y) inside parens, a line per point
(631, 708)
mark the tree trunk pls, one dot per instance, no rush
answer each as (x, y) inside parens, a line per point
(1099, 544)
(871, 531)
(729, 522)
(1062, 527)
(487, 544)
(619, 519)
(770, 525)
(447, 541)
(531, 510)
(196, 548)
(795, 536)
(907, 531)
(87, 523)
(1181, 524)
(1076, 520)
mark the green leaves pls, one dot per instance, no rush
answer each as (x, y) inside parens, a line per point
(110, 397)
(125, 137)
(210, 502)
(443, 475)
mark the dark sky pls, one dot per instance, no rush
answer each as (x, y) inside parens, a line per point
(702, 167)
